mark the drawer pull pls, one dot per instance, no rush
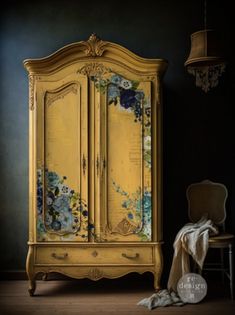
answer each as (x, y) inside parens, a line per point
(62, 256)
(131, 257)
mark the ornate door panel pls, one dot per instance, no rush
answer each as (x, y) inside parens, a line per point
(123, 140)
(62, 194)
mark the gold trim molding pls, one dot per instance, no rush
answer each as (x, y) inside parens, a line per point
(52, 96)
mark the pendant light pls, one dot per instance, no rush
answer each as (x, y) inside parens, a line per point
(205, 60)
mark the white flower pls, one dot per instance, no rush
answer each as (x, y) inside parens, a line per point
(126, 84)
(147, 143)
(63, 189)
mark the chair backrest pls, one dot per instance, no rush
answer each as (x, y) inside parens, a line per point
(207, 198)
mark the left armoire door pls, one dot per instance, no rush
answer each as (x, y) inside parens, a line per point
(62, 158)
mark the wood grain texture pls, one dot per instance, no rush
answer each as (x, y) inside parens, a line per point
(109, 297)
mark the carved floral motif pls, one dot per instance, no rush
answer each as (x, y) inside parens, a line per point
(31, 92)
(94, 69)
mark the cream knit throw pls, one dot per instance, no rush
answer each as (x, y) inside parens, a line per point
(192, 240)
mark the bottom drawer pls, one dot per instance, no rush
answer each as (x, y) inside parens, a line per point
(95, 255)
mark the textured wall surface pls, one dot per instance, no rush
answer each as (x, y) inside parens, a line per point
(199, 128)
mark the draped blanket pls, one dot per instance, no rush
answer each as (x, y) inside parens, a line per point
(192, 240)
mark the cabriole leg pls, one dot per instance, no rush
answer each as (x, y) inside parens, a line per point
(158, 267)
(30, 271)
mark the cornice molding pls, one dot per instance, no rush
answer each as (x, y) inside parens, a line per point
(94, 50)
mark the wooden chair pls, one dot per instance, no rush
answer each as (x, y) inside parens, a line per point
(209, 198)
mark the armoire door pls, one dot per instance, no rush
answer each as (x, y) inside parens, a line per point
(123, 157)
(62, 158)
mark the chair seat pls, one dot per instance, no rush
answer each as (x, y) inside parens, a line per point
(223, 237)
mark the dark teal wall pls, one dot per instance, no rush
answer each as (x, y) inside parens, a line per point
(199, 128)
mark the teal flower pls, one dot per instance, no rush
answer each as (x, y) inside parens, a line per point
(56, 225)
(147, 202)
(116, 79)
(52, 180)
(113, 92)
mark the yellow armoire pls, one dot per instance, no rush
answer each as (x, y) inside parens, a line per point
(95, 162)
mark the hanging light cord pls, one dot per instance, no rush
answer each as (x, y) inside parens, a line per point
(205, 12)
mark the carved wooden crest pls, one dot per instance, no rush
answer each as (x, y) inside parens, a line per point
(94, 46)
(95, 274)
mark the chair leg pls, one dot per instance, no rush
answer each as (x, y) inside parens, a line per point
(231, 269)
(222, 264)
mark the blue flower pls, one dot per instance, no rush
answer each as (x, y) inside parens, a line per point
(39, 191)
(39, 205)
(113, 92)
(39, 199)
(85, 213)
(90, 226)
(130, 215)
(56, 225)
(127, 98)
(61, 204)
(52, 180)
(139, 96)
(66, 220)
(147, 202)
(49, 201)
(116, 79)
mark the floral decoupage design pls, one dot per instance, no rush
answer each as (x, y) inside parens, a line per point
(66, 214)
(126, 95)
(129, 97)
(138, 210)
